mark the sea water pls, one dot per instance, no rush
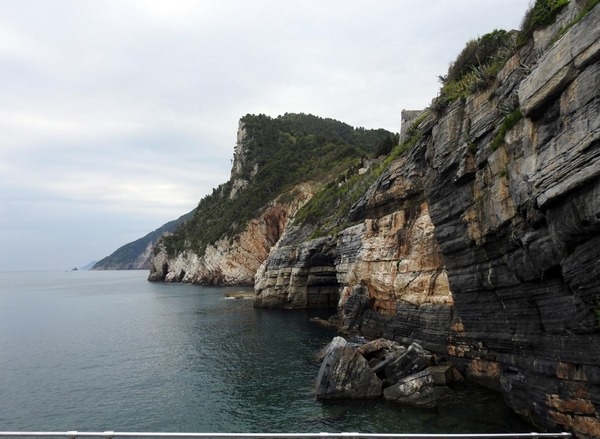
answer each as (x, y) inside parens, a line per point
(96, 351)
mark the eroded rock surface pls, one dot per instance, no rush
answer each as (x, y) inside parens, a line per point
(229, 262)
(345, 373)
(492, 255)
(417, 390)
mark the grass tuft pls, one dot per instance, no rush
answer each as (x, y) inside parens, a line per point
(509, 122)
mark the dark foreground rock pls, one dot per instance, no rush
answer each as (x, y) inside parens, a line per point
(414, 360)
(418, 390)
(355, 371)
(345, 373)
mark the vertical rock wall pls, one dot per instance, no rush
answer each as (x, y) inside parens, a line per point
(390, 268)
(486, 246)
(519, 229)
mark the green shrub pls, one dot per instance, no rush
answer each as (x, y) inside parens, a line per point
(479, 52)
(385, 147)
(475, 69)
(541, 14)
(509, 122)
(329, 207)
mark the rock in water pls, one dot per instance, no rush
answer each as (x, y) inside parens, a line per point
(416, 390)
(442, 375)
(414, 360)
(345, 373)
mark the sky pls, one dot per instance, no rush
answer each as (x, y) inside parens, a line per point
(117, 116)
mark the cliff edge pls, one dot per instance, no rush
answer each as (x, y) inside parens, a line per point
(477, 236)
(482, 241)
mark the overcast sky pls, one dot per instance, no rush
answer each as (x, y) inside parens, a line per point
(117, 116)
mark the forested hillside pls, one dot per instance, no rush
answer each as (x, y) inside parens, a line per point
(275, 155)
(136, 255)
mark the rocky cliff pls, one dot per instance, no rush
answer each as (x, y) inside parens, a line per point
(483, 241)
(277, 162)
(230, 261)
(478, 237)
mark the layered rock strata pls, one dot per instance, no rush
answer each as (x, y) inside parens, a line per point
(519, 230)
(484, 241)
(385, 274)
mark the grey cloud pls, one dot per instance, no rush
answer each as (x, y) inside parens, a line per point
(118, 116)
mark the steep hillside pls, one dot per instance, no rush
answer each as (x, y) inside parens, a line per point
(137, 254)
(277, 163)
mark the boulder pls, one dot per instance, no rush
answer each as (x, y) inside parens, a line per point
(381, 344)
(345, 373)
(382, 365)
(442, 375)
(416, 390)
(414, 360)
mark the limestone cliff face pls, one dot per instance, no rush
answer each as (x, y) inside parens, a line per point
(298, 276)
(385, 275)
(483, 243)
(240, 158)
(230, 262)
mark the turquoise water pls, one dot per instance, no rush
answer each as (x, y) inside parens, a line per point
(110, 351)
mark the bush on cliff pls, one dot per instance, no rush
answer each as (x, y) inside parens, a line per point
(478, 52)
(542, 13)
(476, 67)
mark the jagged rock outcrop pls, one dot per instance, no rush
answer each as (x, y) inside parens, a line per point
(382, 368)
(390, 268)
(484, 241)
(386, 274)
(299, 276)
(230, 262)
(417, 390)
(345, 373)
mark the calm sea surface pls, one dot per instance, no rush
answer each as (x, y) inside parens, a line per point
(110, 351)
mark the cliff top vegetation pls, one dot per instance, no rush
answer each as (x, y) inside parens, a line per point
(476, 67)
(279, 153)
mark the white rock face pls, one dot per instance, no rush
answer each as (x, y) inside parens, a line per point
(239, 160)
(231, 261)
